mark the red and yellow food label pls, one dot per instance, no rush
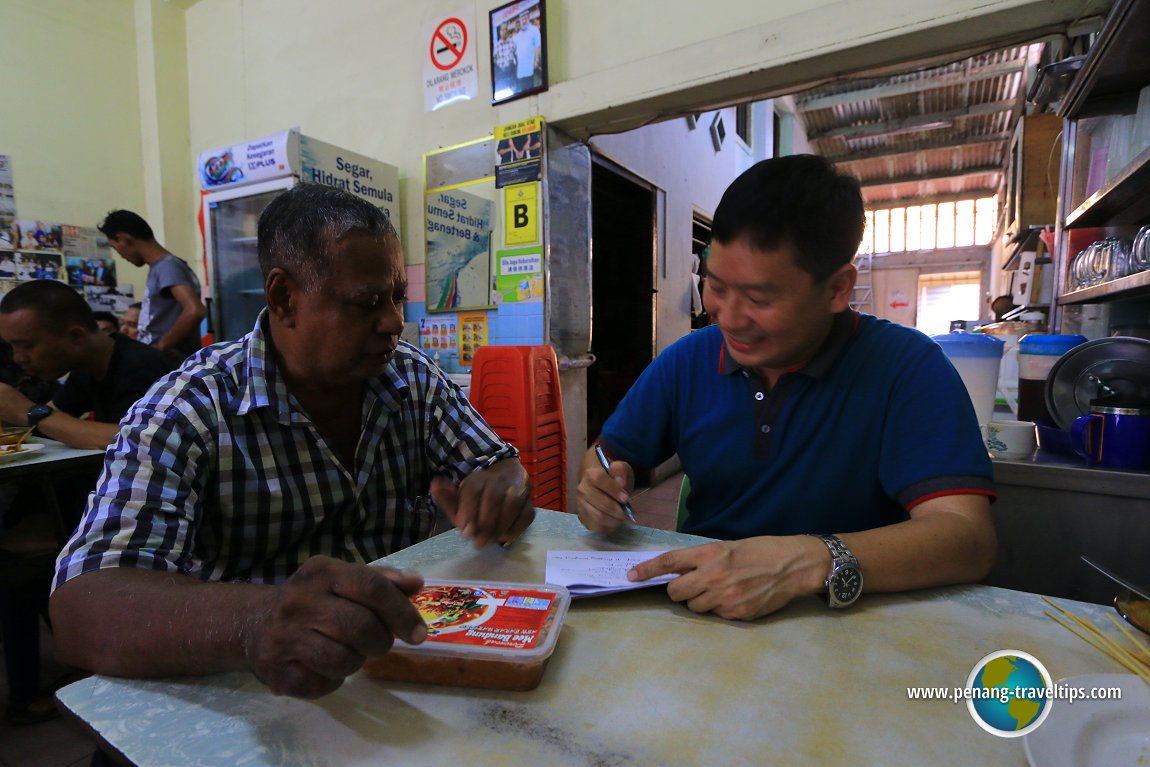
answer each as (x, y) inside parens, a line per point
(489, 617)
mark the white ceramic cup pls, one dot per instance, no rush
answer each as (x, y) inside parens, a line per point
(1010, 439)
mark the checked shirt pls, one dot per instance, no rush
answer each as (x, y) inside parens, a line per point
(218, 473)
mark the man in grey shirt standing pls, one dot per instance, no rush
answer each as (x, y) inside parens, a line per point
(172, 311)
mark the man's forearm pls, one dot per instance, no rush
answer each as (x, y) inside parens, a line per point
(141, 623)
(74, 432)
(947, 540)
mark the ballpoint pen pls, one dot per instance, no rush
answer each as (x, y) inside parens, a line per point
(607, 468)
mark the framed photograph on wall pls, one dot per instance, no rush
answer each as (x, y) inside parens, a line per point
(518, 50)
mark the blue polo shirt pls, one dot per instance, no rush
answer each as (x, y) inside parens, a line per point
(877, 422)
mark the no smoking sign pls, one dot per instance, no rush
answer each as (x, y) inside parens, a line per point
(449, 74)
(448, 44)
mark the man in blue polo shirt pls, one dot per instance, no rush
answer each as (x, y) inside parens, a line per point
(827, 449)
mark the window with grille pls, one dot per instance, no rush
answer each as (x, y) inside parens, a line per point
(934, 226)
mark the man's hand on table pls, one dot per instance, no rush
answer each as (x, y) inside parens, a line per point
(744, 579)
(325, 620)
(492, 504)
(601, 495)
(14, 406)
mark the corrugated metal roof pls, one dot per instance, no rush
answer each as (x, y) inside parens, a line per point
(933, 133)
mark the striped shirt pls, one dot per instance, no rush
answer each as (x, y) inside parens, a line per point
(219, 474)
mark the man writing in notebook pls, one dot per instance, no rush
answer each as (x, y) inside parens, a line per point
(830, 451)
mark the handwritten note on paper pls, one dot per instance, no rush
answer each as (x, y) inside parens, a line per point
(590, 573)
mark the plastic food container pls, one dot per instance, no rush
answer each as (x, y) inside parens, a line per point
(1009, 331)
(976, 357)
(1036, 356)
(494, 636)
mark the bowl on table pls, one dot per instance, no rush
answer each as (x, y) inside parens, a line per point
(1134, 610)
(11, 435)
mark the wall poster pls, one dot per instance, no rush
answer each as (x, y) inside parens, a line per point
(458, 250)
(88, 257)
(472, 335)
(7, 203)
(519, 276)
(518, 152)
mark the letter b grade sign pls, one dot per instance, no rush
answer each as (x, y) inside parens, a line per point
(521, 214)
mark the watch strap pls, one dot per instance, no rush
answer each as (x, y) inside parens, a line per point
(840, 554)
(38, 413)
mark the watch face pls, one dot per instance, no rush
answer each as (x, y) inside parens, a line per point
(846, 584)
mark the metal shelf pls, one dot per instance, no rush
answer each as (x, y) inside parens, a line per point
(1125, 200)
(1130, 286)
(1116, 69)
(1119, 62)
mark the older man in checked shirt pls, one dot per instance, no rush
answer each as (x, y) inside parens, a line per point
(245, 491)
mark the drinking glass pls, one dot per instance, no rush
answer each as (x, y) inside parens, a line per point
(1119, 258)
(1140, 251)
(1078, 267)
(1099, 266)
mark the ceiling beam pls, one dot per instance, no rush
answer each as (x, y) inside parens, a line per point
(964, 173)
(928, 82)
(923, 146)
(906, 124)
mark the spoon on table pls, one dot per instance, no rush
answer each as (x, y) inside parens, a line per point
(1139, 590)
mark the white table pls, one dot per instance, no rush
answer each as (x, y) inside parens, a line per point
(635, 680)
(51, 459)
(46, 466)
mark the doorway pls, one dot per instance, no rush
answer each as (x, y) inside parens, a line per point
(623, 253)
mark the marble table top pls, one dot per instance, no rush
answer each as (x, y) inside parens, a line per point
(636, 679)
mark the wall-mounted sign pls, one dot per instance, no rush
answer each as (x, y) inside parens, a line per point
(375, 181)
(291, 154)
(519, 276)
(246, 163)
(518, 152)
(449, 61)
(521, 214)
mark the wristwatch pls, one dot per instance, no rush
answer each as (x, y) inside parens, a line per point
(38, 413)
(845, 580)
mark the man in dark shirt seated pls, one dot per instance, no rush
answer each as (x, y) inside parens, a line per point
(53, 332)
